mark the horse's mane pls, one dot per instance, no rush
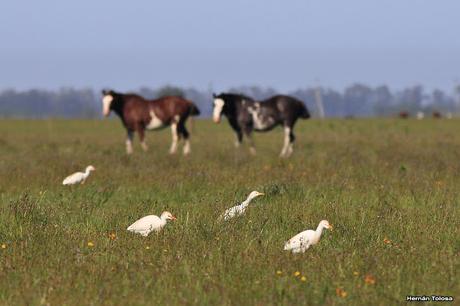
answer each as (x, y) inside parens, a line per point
(237, 95)
(134, 95)
(130, 95)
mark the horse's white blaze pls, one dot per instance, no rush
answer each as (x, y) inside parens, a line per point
(155, 122)
(106, 101)
(218, 106)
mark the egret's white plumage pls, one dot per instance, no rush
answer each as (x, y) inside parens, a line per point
(147, 224)
(78, 177)
(302, 241)
(240, 209)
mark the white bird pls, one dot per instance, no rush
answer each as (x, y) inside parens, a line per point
(240, 209)
(78, 177)
(147, 224)
(302, 241)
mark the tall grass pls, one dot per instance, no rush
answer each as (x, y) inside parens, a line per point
(389, 187)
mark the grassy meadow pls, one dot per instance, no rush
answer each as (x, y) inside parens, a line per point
(390, 187)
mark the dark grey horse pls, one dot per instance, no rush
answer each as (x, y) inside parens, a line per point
(245, 115)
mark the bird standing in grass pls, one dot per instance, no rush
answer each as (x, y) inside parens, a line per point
(302, 241)
(240, 209)
(78, 177)
(147, 224)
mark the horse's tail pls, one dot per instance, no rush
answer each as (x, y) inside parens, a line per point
(194, 111)
(304, 113)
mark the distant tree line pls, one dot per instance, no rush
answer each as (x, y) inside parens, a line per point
(357, 100)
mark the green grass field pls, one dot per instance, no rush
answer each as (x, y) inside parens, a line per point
(390, 187)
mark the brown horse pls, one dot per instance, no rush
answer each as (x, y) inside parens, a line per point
(437, 115)
(139, 114)
(403, 115)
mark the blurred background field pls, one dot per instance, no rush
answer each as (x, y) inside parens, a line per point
(389, 186)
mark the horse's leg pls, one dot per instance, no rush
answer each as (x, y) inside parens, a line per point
(248, 134)
(239, 138)
(141, 133)
(186, 135)
(175, 138)
(291, 143)
(129, 142)
(284, 150)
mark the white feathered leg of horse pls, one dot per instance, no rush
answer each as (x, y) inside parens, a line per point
(78, 177)
(240, 209)
(302, 241)
(145, 225)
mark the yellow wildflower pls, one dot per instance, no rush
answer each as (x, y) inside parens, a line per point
(90, 244)
(369, 279)
(147, 248)
(279, 272)
(303, 278)
(3, 246)
(296, 273)
(112, 236)
(355, 273)
(386, 240)
(340, 292)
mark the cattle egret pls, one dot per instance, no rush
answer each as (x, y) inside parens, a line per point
(147, 224)
(240, 209)
(302, 241)
(78, 177)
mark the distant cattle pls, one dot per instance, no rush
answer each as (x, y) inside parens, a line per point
(437, 115)
(139, 114)
(404, 115)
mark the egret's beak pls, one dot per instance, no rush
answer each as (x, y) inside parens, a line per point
(261, 193)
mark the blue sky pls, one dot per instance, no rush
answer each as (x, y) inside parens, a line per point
(203, 43)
